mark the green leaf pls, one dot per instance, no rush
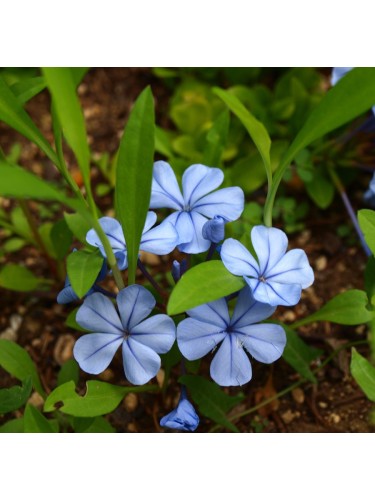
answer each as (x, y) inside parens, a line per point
(17, 278)
(348, 308)
(255, 128)
(363, 373)
(203, 283)
(16, 361)
(78, 225)
(299, 355)
(13, 114)
(216, 140)
(13, 426)
(83, 269)
(15, 397)
(211, 400)
(34, 421)
(61, 238)
(366, 219)
(92, 425)
(134, 175)
(321, 190)
(69, 371)
(100, 398)
(370, 280)
(26, 89)
(350, 97)
(61, 84)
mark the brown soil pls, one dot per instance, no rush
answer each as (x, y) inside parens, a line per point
(335, 404)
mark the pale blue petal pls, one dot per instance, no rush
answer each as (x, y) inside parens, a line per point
(248, 310)
(198, 180)
(94, 352)
(183, 418)
(151, 218)
(98, 314)
(231, 366)
(183, 225)
(227, 203)
(198, 244)
(215, 313)
(270, 245)
(66, 295)
(140, 362)
(113, 230)
(165, 192)
(338, 73)
(275, 294)
(122, 259)
(237, 259)
(160, 240)
(265, 342)
(157, 332)
(214, 229)
(294, 267)
(195, 338)
(135, 303)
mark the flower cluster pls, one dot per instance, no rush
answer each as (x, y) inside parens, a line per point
(200, 212)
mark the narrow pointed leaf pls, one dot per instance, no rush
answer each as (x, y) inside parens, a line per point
(83, 269)
(134, 174)
(363, 373)
(35, 422)
(366, 219)
(203, 283)
(28, 88)
(18, 278)
(13, 398)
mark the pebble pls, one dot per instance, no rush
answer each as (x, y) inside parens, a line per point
(334, 418)
(289, 316)
(322, 404)
(36, 400)
(130, 402)
(107, 375)
(289, 416)
(160, 376)
(10, 333)
(63, 349)
(298, 395)
(149, 258)
(132, 427)
(321, 263)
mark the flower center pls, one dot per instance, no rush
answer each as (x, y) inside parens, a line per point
(262, 279)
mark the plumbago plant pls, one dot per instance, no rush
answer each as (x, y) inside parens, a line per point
(225, 291)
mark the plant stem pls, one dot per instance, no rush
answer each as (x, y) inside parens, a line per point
(147, 275)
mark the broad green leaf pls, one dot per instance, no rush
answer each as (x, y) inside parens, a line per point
(163, 142)
(26, 89)
(61, 237)
(203, 283)
(69, 371)
(34, 421)
(348, 308)
(16, 361)
(350, 97)
(78, 225)
(255, 128)
(299, 355)
(13, 114)
(363, 373)
(83, 269)
(13, 426)
(321, 190)
(370, 280)
(134, 175)
(366, 219)
(100, 398)
(15, 397)
(216, 140)
(211, 400)
(17, 278)
(61, 84)
(92, 425)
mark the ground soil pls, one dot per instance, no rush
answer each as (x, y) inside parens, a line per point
(37, 322)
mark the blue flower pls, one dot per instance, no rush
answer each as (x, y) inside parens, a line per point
(67, 294)
(159, 240)
(211, 324)
(182, 418)
(338, 73)
(196, 204)
(214, 229)
(278, 277)
(141, 339)
(369, 195)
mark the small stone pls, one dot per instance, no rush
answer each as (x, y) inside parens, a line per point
(107, 375)
(132, 427)
(321, 263)
(160, 376)
(149, 258)
(298, 395)
(36, 400)
(130, 402)
(289, 316)
(322, 404)
(289, 416)
(64, 348)
(334, 418)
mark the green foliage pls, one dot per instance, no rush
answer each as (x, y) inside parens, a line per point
(69, 371)
(211, 400)
(35, 422)
(363, 373)
(83, 269)
(134, 175)
(92, 425)
(203, 283)
(17, 278)
(366, 219)
(15, 397)
(299, 355)
(16, 361)
(100, 398)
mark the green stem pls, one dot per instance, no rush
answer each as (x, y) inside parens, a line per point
(291, 387)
